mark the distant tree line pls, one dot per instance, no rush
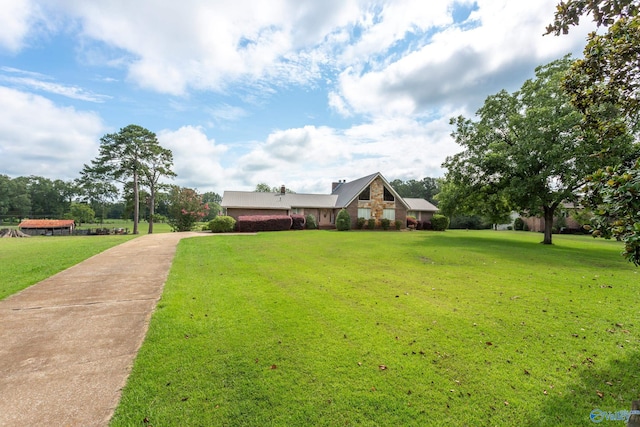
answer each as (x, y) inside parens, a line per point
(37, 197)
(125, 181)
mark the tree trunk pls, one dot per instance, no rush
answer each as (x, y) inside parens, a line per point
(548, 223)
(136, 202)
(152, 203)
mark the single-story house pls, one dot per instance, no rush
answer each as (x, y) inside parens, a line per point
(368, 197)
(47, 227)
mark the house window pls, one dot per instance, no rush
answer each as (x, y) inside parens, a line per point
(364, 213)
(365, 195)
(388, 197)
(389, 214)
(296, 211)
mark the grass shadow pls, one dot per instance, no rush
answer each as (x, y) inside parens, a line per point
(609, 387)
(519, 247)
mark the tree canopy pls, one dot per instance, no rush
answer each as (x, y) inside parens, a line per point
(131, 156)
(426, 188)
(529, 147)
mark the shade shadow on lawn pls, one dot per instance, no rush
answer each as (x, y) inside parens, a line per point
(609, 387)
(527, 247)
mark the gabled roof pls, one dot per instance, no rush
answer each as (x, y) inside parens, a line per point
(46, 223)
(257, 200)
(348, 191)
(420, 205)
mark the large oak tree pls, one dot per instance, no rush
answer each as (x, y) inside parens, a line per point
(528, 146)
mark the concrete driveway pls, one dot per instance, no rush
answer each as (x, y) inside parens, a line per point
(67, 344)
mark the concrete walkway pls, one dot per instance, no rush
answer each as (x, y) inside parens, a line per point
(67, 344)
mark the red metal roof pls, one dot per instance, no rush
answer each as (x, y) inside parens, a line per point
(46, 223)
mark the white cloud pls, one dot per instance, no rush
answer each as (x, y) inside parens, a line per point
(40, 138)
(195, 156)
(16, 19)
(40, 83)
(174, 46)
(226, 112)
(459, 64)
(308, 159)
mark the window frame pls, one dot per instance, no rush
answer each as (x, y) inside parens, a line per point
(389, 213)
(364, 213)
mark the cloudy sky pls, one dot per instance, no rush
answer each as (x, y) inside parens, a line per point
(295, 92)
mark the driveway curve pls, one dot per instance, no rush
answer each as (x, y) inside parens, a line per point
(67, 343)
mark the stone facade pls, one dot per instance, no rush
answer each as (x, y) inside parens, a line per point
(376, 202)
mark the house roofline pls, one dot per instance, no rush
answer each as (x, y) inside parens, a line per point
(384, 180)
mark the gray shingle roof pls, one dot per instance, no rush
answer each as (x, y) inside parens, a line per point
(419, 205)
(347, 191)
(255, 200)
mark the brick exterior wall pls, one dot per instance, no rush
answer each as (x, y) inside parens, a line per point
(401, 215)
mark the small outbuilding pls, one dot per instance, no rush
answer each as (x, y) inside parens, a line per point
(47, 227)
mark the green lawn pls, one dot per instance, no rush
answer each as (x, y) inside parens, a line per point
(390, 329)
(26, 261)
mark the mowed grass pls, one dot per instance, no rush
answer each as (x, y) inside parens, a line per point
(143, 226)
(324, 328)
(26, 261)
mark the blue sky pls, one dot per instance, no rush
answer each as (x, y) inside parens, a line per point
(294, 92)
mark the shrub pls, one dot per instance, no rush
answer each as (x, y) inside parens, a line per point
(412, 222)
(398, 224)
(371, 223)
(418, 225)
(343, 221)
(253, 223)
(222, 224)
(439, 222)
(426, 225)
(361, 223)
(186, 208)
(385, 223)
(518, 224)
(297, 222)
(311, 222)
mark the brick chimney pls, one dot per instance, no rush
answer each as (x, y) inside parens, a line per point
(283, 189)
(335, 185)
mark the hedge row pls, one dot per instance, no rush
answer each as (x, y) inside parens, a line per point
(254, 223)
